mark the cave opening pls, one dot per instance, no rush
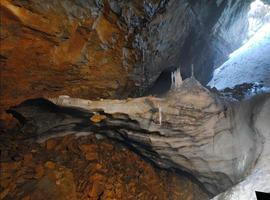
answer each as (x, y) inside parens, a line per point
(249, 64)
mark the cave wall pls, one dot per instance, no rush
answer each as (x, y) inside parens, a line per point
(230, 30)
(61, 47)
(110, 49)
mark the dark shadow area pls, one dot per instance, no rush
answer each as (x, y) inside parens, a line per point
(162, 84)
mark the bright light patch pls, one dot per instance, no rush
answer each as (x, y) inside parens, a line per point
(258, 16)
(251, 62)
(258, 20)
(254, 42)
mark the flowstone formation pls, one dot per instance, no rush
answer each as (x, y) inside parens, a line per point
(217, 141)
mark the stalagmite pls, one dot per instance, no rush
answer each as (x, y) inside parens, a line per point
(176, 78)
(218, 142)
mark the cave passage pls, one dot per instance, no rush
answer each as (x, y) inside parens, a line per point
(251, 62)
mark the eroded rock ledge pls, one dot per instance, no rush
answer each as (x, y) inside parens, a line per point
(218, 142)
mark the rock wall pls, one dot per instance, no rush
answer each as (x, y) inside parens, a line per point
(61, 47)
(100, 49)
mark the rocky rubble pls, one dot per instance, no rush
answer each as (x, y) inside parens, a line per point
(70, 168)
(242, 91)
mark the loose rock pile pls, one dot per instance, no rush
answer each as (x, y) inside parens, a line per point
(83, 168)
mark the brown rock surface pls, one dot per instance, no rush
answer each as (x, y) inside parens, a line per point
(64, 172)
(55, 48)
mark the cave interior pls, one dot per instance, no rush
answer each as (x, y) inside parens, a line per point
(135, 99)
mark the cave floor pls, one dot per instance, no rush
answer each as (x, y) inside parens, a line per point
(84, 168)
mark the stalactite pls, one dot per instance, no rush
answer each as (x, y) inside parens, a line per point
(192, 71)
(160, 115)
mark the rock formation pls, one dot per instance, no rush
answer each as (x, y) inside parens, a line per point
(110, 49)
(259, 176)
(218, 142)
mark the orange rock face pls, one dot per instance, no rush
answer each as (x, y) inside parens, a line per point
(56, 48)
(97, 118)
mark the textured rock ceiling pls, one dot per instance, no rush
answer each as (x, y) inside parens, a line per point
(111, 49)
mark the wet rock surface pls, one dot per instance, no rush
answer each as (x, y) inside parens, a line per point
(70, 167)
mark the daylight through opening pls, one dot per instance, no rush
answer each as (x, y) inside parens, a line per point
(251, 62)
